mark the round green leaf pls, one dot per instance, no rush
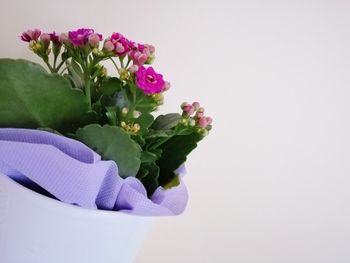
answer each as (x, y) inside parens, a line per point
(32, 98)
(113, 143)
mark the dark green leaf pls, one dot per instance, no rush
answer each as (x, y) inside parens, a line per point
(32, 98)
(174, 154)
(113, 143)
(166, 122)
(148, 157)
(150, 179)
(110, 86)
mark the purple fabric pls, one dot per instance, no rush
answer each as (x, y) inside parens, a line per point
(73, 173)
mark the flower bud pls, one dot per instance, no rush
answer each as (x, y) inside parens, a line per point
(202, 122)
(125, 110)
(124, 74)
(119, 48)
(188, 109)
(94, 40)
(183, 105)
(166, 86)
(63, 38)
(201, 110)
(209, 120)
(108, 46)
(192, 122)
(136, 127)
(196, 105)
(136, 114)
(45, 38)
(133, 68)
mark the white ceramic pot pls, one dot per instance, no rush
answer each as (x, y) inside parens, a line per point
(38, 229)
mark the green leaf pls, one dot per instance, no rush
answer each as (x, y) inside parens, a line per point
(76, 74)
(148, 157)
(174, 154)
(113, 143)
(110, 86)
(149, 179)
(145, 121)
(32, 98)
(166, 122)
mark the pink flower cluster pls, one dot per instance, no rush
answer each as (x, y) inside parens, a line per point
(197, 111)
(149, 81)
(83, 36)
(140, 54)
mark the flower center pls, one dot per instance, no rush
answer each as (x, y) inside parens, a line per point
(151, 79)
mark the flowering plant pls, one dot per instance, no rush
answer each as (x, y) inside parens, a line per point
(111, 115)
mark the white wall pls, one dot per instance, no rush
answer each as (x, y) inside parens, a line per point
(271, 183)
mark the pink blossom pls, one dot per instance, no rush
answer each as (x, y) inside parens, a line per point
(108, 46)
(121, 44)
(94, 39)
(63, 38)
(141, 53)
(81, 36)
(202, 122)
(55, 38)
(45, 38)
(30, 35)
(209, 120)
(149, 81)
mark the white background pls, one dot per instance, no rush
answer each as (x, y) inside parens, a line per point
(271, 182)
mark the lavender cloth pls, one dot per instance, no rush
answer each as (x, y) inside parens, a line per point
(75, 174)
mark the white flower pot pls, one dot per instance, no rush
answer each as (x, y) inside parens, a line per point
(38, 229)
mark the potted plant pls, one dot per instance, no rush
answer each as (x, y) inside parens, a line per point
(81, 136)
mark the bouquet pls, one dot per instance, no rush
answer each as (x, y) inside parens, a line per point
(114, 115)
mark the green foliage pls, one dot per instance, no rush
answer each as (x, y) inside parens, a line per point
(166, 122)
(113, 143)
(111, 115)
(32, 98)
(174, 154)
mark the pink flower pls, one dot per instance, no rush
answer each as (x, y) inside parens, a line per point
(55, 38)
(108, 46)
(141, 53)
(202, 122)
(81, 36)
(45, 38)
(30, 35)
(121, 44)
(149, 81)
(94, 39)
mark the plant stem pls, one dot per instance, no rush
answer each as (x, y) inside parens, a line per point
(87, 85)
(115, 64)
(49, 66)
(54, 63)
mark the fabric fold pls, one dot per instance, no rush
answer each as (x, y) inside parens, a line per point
(75, 174)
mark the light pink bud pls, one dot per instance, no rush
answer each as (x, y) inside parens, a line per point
(202, 122)
(94, 40)
(199, 115)
(63, 38)
(183, 105)
(136, 114)
(108, 46)
(188, 109)
(134, 68)
(201, 109)
(150, 48)
(196, 105)
(45, 38)
(119, 48)
(209, 120)
(167, 86)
